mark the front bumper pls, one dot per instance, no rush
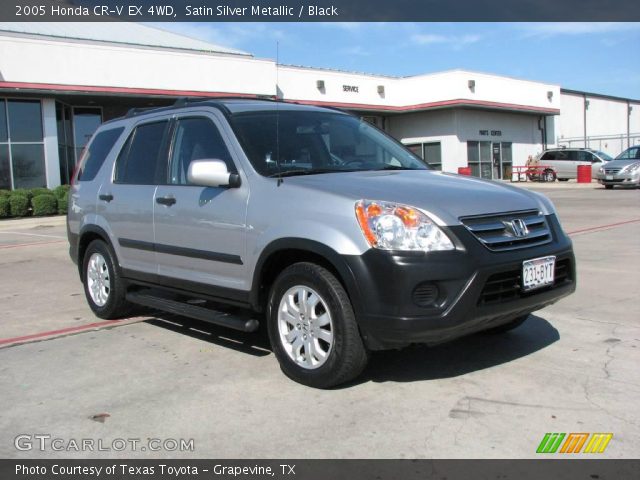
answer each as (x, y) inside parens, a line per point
(435, 297)
(621, 179)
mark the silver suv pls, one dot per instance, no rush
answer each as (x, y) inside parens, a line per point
(312, 221)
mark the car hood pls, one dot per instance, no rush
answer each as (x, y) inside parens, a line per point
(621, 163)
(446, 197)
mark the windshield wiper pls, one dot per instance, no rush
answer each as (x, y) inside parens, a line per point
(396, 167)
(310, 171)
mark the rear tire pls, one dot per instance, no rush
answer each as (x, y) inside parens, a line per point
(312, 327)
(103, 286)
(515, 323)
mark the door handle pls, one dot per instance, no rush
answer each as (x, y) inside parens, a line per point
(168, 201)
(106, 197)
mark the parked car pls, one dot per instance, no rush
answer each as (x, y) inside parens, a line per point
(312, 221)
(623, 171)
(565, 161)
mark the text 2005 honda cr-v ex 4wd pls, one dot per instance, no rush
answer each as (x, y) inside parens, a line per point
(311, 220)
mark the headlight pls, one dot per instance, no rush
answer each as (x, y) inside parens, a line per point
(392, 226)
(601, 170)
(631, 168)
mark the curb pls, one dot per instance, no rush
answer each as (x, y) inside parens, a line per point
(34, 222)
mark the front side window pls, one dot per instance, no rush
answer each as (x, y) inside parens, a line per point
(196, 139)
(142, 159)
(296, 143)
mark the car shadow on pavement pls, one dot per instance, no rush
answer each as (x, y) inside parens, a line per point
(465, 355)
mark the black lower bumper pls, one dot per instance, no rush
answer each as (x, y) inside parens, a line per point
(438, 296)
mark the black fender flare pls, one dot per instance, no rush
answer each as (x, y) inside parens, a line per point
(336, 260)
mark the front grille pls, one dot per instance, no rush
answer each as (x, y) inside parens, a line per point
(507, 286)
(494, 233)
(612, 170)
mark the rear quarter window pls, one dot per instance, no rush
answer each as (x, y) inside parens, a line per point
(96, 154)
(548, 156)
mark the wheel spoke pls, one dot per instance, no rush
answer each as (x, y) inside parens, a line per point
(291, 304)
(292, 336)
(323, 320)
(302, 300)
(319, 353)
(325, 335)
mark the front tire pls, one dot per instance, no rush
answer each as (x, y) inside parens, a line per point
(549, 176)
(608, 187)
(312, 327)
(103, 285)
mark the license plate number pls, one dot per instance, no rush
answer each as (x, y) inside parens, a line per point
(538, 272)
(609, 177)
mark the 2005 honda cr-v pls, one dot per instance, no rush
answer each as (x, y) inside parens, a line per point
(338, 237)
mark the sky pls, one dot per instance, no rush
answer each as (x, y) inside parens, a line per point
(593, 57)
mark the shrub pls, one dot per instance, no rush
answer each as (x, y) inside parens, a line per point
(22, 192)
(40, 191)
(63, 204)
(19, 205)
(5, 193)
(61, 190)
(5, 210)
(46, 204)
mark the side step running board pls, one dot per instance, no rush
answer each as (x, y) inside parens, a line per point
(199, 313)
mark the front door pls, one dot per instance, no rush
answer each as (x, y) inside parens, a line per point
(200, 231)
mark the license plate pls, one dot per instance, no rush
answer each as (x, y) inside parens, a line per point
(538, 272)
(608, 177)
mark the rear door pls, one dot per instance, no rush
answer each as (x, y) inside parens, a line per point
(200, 231)
(126, 200)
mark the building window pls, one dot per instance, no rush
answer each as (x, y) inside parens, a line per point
(430, 152)
(491, 160)
(21, 144)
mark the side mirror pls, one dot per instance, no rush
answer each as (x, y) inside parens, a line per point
(212, 173)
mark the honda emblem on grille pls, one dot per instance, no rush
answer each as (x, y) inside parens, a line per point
(516, 228)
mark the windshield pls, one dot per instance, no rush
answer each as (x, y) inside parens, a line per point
(632, 153)
(311, 142)
(604, 156)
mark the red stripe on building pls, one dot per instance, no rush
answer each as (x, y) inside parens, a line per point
(357, 106)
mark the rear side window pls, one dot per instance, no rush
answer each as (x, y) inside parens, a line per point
(96, 154)
(548, 156)
(142, 160)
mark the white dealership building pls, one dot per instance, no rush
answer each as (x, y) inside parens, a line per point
(58, 81)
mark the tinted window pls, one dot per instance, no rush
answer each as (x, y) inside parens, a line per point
(97, 153)
(28, 165)
(141, 161)
(196, 139)
(5, 173)
(585, 156)
(629, 154)
(548, 156)
(25, 120)
(3, 121)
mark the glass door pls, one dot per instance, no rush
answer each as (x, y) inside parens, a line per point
(486, 164)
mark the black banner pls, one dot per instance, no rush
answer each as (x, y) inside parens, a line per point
(318, 10)
(122, 469)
